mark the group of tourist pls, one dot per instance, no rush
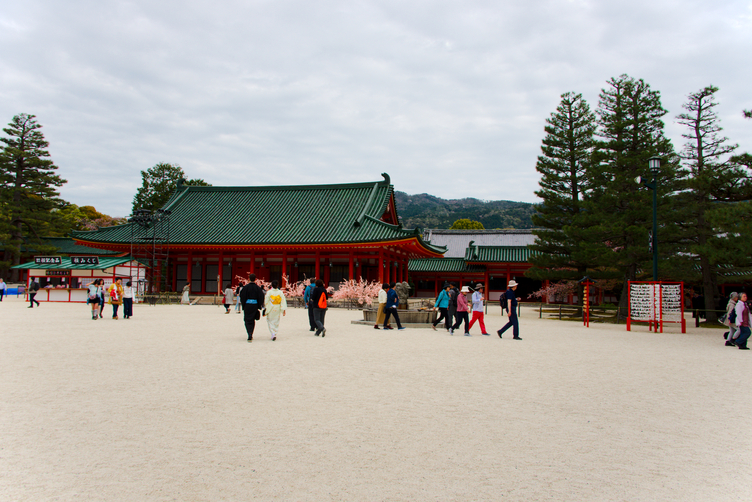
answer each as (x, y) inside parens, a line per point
(315, 299)
(454, 309)
(116, 294)
(255, 303)
(738, 318)
(388, 304)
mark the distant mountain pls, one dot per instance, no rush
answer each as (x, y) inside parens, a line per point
(427, 211)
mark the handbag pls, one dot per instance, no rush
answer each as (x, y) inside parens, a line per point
(258, 315)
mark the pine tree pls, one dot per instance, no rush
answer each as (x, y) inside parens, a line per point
(466, 224)
(29, 188)
(563, 165)
(618, 209)
(709, 177)
(158, 184)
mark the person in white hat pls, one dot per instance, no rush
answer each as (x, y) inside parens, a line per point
(510, 299)
(462, 311)
(478, 309)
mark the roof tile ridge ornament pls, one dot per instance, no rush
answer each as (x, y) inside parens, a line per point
(363, 214)
(387, 180)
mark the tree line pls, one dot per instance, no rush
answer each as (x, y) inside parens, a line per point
(595, 217)
(31, 208)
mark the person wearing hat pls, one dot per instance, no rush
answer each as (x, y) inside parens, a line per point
(462, 311)
(478, 309)
(510, 298)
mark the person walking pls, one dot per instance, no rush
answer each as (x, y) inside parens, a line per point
(452, 306)
(228, 298)
(463, 309)
(92, 298)
(186, 300)
(319, 306)
(33, 288)
(3, 288)
(128, 294)
(101, 297)
(252, 299)
(237, 295)
(509, 299)
(478, 314)
(274, 304)
(392, 302)
(116, 296)
(733, 331)
(743, 321)
(381, 313)
(442, 304)
(308, 302)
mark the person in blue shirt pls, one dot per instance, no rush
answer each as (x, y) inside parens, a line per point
(307, 303)
(442, 304)
(392, 301)
(510, 299)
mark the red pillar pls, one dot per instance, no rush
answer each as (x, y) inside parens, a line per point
(252, 268)
(327, 270)
(318, 266)
(189, 274)
(352, 267)
(284, 281)
(220, 282)
(381, 266)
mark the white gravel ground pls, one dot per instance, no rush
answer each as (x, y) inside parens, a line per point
(175, 405)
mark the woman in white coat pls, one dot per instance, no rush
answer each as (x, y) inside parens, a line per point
(275, 304)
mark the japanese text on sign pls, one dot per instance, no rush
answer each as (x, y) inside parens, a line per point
(48, 260)
(84, 260)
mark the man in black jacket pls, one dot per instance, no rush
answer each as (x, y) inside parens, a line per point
(252, 300)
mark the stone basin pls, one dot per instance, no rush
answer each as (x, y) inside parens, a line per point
(406, 316)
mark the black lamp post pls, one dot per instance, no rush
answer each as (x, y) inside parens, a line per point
(654, 163)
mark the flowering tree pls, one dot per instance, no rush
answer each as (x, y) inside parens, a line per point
(360, 290)
(558, 290)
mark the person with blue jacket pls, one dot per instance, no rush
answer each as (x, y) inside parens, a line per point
(442, 304)
(392, 301)
(307, 303)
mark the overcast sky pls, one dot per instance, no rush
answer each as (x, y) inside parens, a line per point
(448, 97)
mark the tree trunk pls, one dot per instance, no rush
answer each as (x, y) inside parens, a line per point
(709, 289)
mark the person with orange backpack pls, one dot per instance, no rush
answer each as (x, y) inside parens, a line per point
(318, 300)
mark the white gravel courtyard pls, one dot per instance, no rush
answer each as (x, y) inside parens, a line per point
(174, 404)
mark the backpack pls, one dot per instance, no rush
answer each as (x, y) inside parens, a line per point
(322, 300)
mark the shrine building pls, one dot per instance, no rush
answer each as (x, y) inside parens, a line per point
(207, 236)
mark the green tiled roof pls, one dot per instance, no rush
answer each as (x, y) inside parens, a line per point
(274, 215)
(497, 254)
(67, 246)
(442, 265)
(66, 264)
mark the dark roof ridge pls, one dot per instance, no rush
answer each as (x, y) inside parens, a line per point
(479, 231)
(248, 188)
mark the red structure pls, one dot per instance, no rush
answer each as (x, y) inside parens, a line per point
(332, 232)
(656, 303)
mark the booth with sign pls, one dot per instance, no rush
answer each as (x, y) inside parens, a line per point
(65, 279)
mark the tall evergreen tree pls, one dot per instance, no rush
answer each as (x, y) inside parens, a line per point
(566, 155)
(709, 177)
(619, 210)
(158, 183)
(29, 188)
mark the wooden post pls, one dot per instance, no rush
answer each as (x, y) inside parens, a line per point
(318, 266)
(252, 269)
(352, 267)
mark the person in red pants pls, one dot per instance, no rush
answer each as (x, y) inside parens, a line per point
(478, 309)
